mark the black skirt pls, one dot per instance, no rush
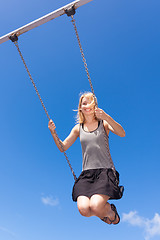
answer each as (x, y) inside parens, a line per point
(97, 181)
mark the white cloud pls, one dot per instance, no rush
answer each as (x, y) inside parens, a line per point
(50, 201)
(3, 229)
(151, 226)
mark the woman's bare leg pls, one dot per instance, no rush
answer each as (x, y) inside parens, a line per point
(101, 208)
(83, 204)
(98, 206)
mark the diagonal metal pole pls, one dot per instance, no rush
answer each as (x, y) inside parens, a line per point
(44, 19)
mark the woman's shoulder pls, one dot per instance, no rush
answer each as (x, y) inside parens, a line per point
(106, 126)
(75, 129)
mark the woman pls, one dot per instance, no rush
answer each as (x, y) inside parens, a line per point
(97, 182)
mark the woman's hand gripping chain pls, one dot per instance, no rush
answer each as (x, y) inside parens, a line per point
(100, 114)
(51, 126)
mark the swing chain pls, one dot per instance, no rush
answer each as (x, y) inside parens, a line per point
(83, 58)
(14, 40)
(20, 53)
(95, 99)
(110, 159)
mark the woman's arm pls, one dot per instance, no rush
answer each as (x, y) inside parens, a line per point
(68, 141)
(109, 123)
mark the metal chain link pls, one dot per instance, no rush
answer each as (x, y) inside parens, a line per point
(91, 86)
(110, 159)
(59, 141)
(20, 53)
(83, 58)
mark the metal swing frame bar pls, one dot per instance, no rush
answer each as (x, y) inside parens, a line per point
(59, 12)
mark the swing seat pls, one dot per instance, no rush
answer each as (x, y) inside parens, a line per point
(121, 188)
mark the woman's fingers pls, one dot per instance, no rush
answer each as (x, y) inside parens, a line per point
(99, 113)
(51, 125)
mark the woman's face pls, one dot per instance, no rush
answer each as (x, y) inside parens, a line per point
(87, 105)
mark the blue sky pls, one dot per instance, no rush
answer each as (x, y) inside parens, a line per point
(121, 43)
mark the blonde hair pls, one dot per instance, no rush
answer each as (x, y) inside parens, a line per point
(80, 117)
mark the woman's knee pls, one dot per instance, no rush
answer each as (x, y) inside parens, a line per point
(84, 210)
(83, 206)
(97, 204)
(95, 207)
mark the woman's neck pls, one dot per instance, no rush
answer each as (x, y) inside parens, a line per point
(90, 119)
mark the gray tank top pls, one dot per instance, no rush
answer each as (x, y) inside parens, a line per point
(94, 149)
